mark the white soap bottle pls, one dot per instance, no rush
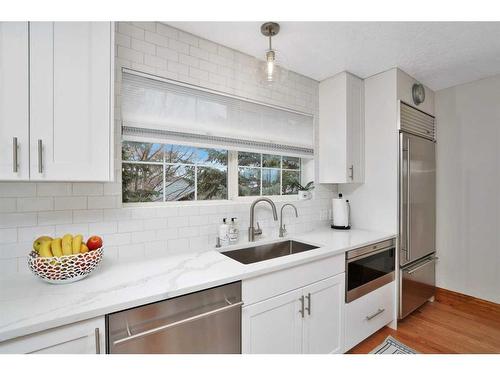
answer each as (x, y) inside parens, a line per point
(224, 233)
(234, 230)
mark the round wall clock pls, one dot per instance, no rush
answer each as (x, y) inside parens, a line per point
(418, 93)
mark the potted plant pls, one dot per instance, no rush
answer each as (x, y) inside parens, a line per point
(305, 192)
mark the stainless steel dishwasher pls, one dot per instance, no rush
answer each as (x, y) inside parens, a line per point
(208, 321)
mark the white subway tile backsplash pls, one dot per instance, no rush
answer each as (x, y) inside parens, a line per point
(133, 232)
(8, 235)
(32, 233)
(70, 203)
(55, 217)
(143, 236)
(167, 53)
(53, 189)
(167, 30)
(8, 267)
(178, 245)
(179, 221)
(13, 220)
(88, 188)
(155, 249)
(8, 205)
(130, 30)
(129, 252)
(117, 239)
(103, 228)
(130, 226)
(17, 189)
(87, 216)
(188, 232)
(158, 40)
(166, 234)
(106, 201)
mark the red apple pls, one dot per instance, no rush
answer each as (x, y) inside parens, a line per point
(94, 242)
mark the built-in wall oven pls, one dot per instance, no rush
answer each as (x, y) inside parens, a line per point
(368, 268)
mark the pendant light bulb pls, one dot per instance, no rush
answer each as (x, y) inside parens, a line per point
(270, 58)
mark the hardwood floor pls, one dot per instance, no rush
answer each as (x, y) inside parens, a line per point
(454, 323)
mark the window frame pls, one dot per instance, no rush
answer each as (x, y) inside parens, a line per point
(232, 178)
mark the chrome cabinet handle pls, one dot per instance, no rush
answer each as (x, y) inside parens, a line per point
(308, 308)
(379, 311)
(97, 341)
(430, 260)
(177, 323)
(351, 175)
(40, 155)
(408, 214)
(302, 310)
(14, 155)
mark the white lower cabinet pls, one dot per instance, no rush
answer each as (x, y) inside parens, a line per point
(86, 337)
(367, 314)
(305, 320)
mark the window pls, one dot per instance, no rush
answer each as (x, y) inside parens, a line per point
(263, 174)
(154, 172)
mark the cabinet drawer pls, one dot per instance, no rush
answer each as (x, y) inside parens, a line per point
(366, 315)
(275, 283)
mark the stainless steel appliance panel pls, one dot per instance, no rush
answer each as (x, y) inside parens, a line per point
(208, 321)
(417, 285)
(417, 198)
(369, 268)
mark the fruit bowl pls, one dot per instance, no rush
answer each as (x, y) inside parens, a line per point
(65, 269)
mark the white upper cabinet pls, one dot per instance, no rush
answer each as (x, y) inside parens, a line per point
(341, 129)
(56, 101)
(14, 115)
(71, 70)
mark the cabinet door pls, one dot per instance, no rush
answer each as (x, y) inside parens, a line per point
(323, 325)
(14, 115)
(70, 100)
(355, 130)
(86, 337)
(273, 326)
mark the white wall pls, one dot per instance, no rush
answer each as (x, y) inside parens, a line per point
(468, 188)
(28, 210)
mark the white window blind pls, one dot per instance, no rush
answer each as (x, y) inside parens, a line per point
(156, 108)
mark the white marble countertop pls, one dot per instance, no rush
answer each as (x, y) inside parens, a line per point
(29, 305)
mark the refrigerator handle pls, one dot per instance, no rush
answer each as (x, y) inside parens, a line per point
(403, 222)
(408, 206)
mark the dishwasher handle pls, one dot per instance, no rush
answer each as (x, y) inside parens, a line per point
(177, 323)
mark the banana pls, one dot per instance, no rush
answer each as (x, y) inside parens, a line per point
(77, 243)
(67, 244)
(83, 248)
(45, 249)
(38, 242)
(56, 247)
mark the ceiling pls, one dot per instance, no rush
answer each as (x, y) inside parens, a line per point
(439, 54)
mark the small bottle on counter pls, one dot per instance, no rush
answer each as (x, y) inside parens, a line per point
(234, 230)
(224, 233)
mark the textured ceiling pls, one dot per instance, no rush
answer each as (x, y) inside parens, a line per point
(439, 54)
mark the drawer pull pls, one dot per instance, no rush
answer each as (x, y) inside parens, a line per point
(379, 311)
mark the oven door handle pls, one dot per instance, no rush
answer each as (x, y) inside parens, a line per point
(370, 254)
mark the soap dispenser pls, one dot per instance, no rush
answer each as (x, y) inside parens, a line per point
(234, 230)
(224, 233)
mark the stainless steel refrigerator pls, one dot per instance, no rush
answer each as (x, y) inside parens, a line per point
(417, 209)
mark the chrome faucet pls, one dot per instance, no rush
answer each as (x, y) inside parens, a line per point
(282, 226)
(252, 232)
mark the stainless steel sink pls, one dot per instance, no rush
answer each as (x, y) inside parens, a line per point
(269, 251)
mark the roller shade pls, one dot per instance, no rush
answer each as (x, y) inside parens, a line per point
(163, 109)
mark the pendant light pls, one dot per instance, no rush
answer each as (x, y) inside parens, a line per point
(272, 71)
